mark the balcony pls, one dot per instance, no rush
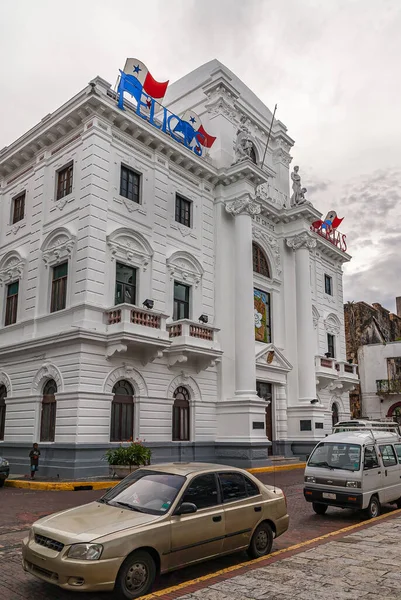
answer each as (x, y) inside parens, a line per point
(192, 344)
(337, 374)
(136, 330)
(386, 387)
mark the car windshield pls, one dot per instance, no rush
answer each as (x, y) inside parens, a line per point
(145, 491)
(330, 455)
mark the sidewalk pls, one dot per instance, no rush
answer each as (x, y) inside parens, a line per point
(363, 565)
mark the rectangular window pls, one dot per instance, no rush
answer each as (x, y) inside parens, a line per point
(182, 210)
(59, 288)
(11, 303)
(202, 491)
(328, 285)
(64, 181)
(388, 455)
(331, 345)
(181, 301)
(370, 461)
(18, 208)
(233, 486)
(305, 425)
(130, 184)
(318, 425)
(262, 316)
(125, 284)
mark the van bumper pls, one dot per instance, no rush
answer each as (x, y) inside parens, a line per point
(351, 499)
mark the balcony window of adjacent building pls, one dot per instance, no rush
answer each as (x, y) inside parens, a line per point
(262, 316)
(48, 418)
(328, 285)
(260, 262)
(130, 184)
(18, 208)
(125, 284)
(59, 287)
(122, 412)
(11, 303)
(3, 395)
(64, 181)
(181, 415)
(183, 211)
(331, 345)
(181, 301)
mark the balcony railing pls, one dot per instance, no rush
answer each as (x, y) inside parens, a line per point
(186, 328)
(126, 313)
(388, 386)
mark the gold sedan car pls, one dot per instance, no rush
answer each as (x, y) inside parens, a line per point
(157, 519)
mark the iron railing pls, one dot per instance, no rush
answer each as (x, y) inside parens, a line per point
(388, 386)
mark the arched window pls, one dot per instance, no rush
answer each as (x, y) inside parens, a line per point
(252, 154)
(334, 413)
(181, 415)
(48, 420)
(260, 264)
(122, 412)
(3, 395)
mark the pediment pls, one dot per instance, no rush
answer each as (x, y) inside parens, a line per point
(270, 357)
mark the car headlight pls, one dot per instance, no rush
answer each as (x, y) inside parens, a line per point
(85, 551)
(4, 462)
(310, 479)
(353, 484)
(31, 536)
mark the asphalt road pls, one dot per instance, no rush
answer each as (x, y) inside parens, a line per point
(20, 508)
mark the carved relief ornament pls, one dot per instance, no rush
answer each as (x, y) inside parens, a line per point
(12, 270)
(243, 205)
(303, 240)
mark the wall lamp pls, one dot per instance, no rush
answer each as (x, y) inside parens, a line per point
(203, 318)
(314, 401)
(148, 303)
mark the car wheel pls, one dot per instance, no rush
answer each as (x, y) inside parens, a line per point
(373, 509)
(136, 576)
(261, 542)
(320, 509)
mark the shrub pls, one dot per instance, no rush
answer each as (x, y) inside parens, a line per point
(136, 454)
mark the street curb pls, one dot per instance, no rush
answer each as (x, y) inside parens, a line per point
(75, 486)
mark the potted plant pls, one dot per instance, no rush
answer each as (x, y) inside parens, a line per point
(125, 459)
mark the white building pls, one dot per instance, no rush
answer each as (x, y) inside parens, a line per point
(380, 375)
(101, 211)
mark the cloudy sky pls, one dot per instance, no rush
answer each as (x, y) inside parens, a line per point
(332, 66)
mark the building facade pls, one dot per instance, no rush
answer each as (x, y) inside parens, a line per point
(366, 324)
(148, 292)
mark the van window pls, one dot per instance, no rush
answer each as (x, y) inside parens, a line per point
(398, 450)
(388, 455)
(329, 455)
(371, 460)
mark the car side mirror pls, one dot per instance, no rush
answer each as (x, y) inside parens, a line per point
(186, 508)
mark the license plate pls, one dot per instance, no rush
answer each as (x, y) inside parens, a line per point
(329, 496)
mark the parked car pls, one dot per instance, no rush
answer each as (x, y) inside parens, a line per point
(157, 519)
(355, 469)
(4, 470)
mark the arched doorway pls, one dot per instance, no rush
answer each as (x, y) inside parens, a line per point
(181, 420)
(264, 390)
(334, 413)
(395, 412)
(49, 406)
(3, 395)
(122, 412)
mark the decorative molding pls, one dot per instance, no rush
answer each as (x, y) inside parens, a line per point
(282, 157)
(130, 205)
(11, 267)
(332, 324)
(46, 372)
(303, 240)
(60, 204)
(130, 374)
(243, 205)
(131, 247)
(58, 246)
(187, 382)
(271, 243)
(185, 267)
(316, 317)
(6, 381)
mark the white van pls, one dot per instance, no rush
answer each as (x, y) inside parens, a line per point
(353, 424)
(355, 469)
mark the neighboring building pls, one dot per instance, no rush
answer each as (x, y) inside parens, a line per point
(380, 373)
(136, 275)
(365, 324)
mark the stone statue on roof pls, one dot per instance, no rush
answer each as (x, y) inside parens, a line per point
(298, 192)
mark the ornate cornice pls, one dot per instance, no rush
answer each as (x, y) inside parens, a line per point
(303, 240)
(243, 205)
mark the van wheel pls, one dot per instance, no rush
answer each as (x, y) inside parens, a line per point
(136, 576)
(398, 503)
(320, 509)
(373, 509)
(261, 542)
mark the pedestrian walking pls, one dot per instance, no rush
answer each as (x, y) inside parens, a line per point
(34, 456)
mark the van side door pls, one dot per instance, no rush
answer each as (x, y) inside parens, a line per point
(392, 473)
(373, 475)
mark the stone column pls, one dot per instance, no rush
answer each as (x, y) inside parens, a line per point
(245, 369)
(301, 245)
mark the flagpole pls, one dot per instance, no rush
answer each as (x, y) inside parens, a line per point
(268, 137)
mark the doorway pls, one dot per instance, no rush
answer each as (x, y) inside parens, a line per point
(264, 390)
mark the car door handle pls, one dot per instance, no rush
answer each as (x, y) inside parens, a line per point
(385, 472)
(257, 508)
(217, 518)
